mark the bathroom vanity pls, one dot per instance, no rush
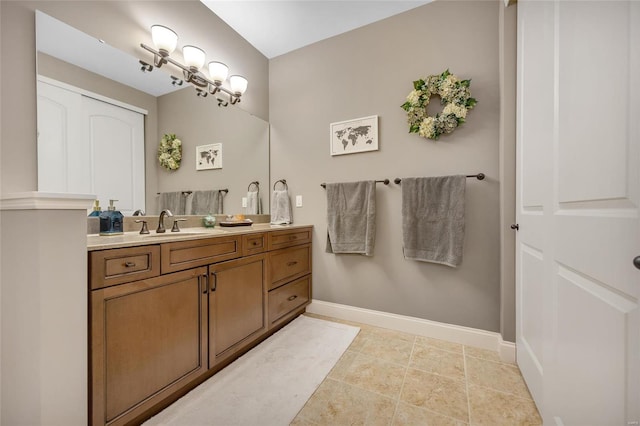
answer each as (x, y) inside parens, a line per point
(169, 311)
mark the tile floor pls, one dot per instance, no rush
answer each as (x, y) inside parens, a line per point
(393, 378)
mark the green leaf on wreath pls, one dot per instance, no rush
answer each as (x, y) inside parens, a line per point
(417, 85)
(466, 83)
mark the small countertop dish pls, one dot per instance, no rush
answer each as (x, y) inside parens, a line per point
(132, 239)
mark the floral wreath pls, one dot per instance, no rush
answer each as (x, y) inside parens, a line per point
(454, 94)
(170, 152)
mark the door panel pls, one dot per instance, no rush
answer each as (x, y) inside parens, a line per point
(578, 328)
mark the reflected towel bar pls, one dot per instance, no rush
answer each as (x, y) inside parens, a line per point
(283, 181)
(386, 182)
(185, 193)
(256, 183)
(479, 176)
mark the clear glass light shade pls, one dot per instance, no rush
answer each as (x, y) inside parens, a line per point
(164, 38)
(238, 84)
(218, 71)
(194, 57)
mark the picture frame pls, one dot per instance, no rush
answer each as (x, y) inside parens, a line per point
(209, 157)
(354, 136)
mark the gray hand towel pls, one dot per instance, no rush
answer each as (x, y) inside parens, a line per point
(205, 202)
(172, 201)
(281, 208)
(351, 217)
(254, 204)
(433, 219)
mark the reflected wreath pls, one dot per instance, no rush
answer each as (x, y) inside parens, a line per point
(454, 94)
(170, 152)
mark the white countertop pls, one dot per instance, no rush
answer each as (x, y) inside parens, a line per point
(132, 239)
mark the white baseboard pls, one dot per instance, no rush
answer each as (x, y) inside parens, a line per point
(437, 330)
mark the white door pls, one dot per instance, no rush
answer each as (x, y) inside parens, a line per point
(578, 196)
(116, 158)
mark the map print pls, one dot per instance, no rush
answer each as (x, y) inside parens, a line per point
(353, 136)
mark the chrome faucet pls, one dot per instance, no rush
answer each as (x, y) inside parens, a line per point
(161, 229)
(138, 213)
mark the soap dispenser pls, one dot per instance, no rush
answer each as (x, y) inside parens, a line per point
(111, 221)
(96, 209)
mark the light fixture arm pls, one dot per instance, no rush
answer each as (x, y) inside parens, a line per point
(195, 78)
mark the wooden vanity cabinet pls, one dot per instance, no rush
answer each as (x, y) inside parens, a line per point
(148, 340)
(237, 305)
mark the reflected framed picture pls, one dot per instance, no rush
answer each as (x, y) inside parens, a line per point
(352, 136)
(209, 156)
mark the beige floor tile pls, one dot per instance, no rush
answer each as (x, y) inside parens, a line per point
(393, 334)
(440, 344)
(409, 415)
(388, 348)
(337, 403)
(375, 375)
(436, 393)
(493, 408)
(496, 375)
(342, 366)
(482, 353)
(433, 360)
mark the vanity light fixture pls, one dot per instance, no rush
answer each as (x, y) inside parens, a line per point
(166, 40)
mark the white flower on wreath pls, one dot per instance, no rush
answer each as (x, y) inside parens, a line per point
(170, 152)
(453, 92)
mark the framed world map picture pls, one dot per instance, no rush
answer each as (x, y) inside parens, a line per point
(209, 156)
(352, 136)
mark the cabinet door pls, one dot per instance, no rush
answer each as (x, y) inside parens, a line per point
(237, 305)
(148, 340)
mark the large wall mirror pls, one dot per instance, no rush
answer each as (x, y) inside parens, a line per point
(100, 121)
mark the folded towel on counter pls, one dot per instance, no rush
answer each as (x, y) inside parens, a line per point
(351, 217)
(254, 203)
(281, 208)
(433, 219)
(205, 202)
(173, 201)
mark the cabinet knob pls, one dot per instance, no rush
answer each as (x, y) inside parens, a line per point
(636, 262)
(515, 226)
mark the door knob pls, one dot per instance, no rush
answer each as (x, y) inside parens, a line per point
(515, 226)
(636, 262)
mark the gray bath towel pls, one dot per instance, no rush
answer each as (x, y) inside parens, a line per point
(205, 202)
(173, 201)
(433, 219)
(254, 203)
(281, 208)
(351, 217)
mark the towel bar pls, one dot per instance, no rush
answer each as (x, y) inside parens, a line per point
(283, 181)
(185, 193)
(256, 183)
(385, 181)
(479, 176)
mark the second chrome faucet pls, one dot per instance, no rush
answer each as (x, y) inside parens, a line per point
(163, 213)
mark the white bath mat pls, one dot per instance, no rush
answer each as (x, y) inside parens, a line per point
(270, 383)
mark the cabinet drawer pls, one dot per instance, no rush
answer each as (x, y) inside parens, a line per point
(289, 297)
(288, 264)
(288, 238)
(118, 266)
(254, 244)
(182, 255)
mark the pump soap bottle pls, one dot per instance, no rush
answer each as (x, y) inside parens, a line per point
(96, 209)
(111, 221)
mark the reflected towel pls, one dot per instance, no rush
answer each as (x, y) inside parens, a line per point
(254, 203)
(351, 217)
(281, 208)
(172, 201)
(433, 219)
(206, 202)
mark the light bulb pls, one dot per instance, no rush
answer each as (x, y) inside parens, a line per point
(164, 38)
(238, 84)
(194, 57)
(218, 71)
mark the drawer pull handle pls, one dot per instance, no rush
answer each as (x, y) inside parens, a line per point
(294, 297)
(129, 264)
(293, 237)
(295, 262)
(255, 243)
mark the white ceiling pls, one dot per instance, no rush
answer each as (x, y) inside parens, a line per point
(275, 27)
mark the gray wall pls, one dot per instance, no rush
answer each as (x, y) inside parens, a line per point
(122, 24)
(370, 71)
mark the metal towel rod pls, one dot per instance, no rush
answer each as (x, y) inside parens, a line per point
(283, 181)
(385, 181)
(256, 183)
(479, 176)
